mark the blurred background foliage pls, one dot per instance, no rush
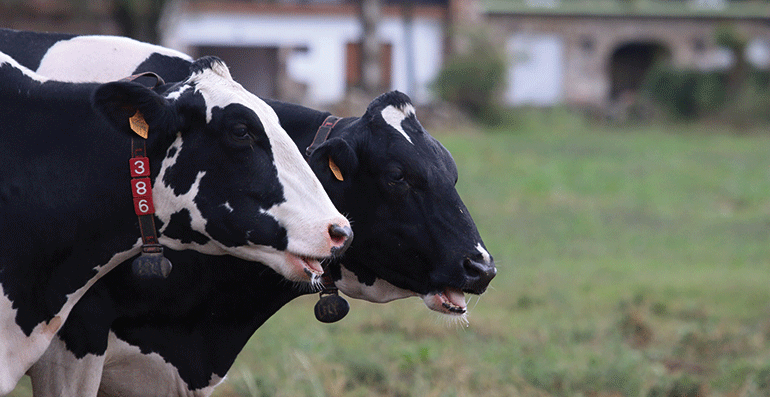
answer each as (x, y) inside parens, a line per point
(474, 78)
(739, 95)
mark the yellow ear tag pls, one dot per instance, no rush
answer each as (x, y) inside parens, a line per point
(138, 125)
(335, 170)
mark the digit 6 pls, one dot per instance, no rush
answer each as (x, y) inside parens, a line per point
(143, 206)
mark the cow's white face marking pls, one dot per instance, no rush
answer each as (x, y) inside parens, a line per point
(167, 202)
(484, 253)
(174, 95)
(124, 55)
(127, 371)
(394, 116)
(20, 351)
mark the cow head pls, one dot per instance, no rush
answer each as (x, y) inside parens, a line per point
(414, 235)
(227, 179)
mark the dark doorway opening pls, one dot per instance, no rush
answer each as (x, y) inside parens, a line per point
(255, 68)
(629, 66)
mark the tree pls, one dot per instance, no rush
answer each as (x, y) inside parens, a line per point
(371, 13)
(139, 18)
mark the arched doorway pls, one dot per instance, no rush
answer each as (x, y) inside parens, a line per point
(629, 64)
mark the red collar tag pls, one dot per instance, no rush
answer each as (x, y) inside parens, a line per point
(151, 263)
(141, 187)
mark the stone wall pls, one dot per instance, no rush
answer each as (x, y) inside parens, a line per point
(590, 41)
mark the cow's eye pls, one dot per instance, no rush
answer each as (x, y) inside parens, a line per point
(240, 131)
(396, 175)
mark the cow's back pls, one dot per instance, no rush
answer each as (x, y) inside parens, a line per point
(28, 48)
(86, 58)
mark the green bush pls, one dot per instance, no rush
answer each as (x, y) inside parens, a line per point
(690, 94)
(473, 79)
(751, 103)
(685, 93)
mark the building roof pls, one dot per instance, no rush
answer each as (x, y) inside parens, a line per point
(424, 8)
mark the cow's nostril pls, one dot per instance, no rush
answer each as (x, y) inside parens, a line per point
(472, 268)
(478, 274)
(341, 237)
(340, 233)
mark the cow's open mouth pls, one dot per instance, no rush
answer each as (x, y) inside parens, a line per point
(450, 301)
(305, 264)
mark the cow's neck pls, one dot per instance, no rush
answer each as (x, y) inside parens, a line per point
(225, 320)
(300, 122)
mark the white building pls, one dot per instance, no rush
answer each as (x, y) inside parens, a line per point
(308, 51)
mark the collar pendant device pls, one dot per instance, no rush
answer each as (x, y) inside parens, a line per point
(151, 263)
(331, 307)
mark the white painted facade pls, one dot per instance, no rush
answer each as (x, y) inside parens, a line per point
(536, 69)
(323, 66)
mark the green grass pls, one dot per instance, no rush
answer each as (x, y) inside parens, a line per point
(631, 262)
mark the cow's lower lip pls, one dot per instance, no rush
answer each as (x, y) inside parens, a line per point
(306, 264)
(450, 301)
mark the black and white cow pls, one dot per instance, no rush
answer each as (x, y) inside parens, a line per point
(225, 177)
(414, 237)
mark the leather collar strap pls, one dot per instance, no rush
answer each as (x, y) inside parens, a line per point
(320, 137)
(322, 134)
(141, 190)
(331, 307)
(147, 79)
(151, 262)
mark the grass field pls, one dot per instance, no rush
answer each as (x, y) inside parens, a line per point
(631, 262)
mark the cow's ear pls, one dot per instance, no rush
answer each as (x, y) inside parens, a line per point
(124, 103)
(334, 159)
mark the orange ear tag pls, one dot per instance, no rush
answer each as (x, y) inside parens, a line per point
(335, 170)
(138, 125)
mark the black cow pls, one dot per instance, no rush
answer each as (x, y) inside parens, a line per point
(225, 179)
(414, 237)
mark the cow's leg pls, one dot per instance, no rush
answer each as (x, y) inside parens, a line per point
(17, 350)
(129, 372)
(73, 363)
(59, 373)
